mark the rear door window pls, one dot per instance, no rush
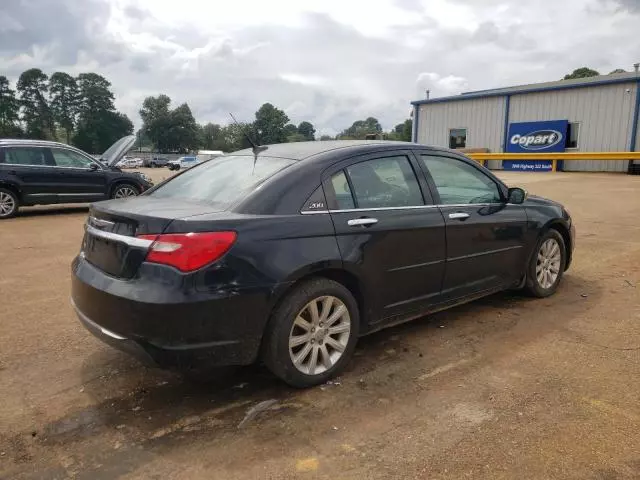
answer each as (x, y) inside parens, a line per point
(31, 156)
(221, 181)
(385, 182)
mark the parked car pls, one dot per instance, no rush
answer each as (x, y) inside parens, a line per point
(130, 163)
(289, 254)
(155, 162)
(183, 162)
(37, 172)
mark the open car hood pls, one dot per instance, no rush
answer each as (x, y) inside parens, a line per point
(116, 151)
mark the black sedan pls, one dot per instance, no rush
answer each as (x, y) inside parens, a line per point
(289, 253)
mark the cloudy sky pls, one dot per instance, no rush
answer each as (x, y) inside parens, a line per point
(330, 61)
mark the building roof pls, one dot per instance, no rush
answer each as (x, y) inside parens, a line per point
(628, 77)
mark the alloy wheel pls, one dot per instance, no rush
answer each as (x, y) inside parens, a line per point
(548, 263)
(319, 335)
(7, 204)
(125, 191)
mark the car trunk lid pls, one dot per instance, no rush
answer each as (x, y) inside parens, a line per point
(111, 241)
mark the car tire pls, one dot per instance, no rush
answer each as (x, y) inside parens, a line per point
(124, 190)
(547, 265)
(9, 203)
(295, 332)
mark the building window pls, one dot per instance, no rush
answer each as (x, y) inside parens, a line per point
(573, 132)
(457, 138)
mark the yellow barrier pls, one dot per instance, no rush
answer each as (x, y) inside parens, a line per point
(482, 158)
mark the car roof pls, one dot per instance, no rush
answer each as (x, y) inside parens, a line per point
(29, 142)
(303, 150)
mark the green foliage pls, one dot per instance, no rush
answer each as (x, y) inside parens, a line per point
(269, 125)
(9, 110)
(402, 131)
(617, 70)
(98, 125)
(64, 95)
(36, 113)
(297, 137)
(290, 129)
(582, 72)
(307, 130)
(170, 130)
(361, 128)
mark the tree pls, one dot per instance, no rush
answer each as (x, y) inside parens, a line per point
(64, 94)
(235, 136)
(617, 70)
(156, 120)
(296, 137)
(210, 137)
(361, 128)
(269, 125)
(36, 113)
(403, 131)
(170, 130)
(582, 72)
(290, 129)
(307, 130)
(98, 125)
(9, 110)
(183, 130)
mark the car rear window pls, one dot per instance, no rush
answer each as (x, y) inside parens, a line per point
(221, 181)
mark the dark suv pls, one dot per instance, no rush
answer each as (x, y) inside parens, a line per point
(37, 172)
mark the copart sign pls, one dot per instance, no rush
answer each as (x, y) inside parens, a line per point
(536, 137)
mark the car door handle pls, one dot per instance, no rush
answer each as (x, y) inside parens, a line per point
(362, 222)
(458, 216)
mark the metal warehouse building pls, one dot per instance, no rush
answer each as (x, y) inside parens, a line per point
(595, 114)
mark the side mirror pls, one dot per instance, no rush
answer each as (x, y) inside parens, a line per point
(93, 167)
(517, 195)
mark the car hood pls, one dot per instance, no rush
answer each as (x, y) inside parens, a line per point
(116, 151)
(537, 200)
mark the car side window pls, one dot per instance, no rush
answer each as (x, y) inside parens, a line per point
(68, 158)
(385, 182)
(459, 183)
(340, 185)
(31, 156)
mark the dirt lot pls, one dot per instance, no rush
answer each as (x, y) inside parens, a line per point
(506, 387)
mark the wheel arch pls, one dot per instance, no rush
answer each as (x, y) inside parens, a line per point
(563, 230)
(336, 273)
(13, 187)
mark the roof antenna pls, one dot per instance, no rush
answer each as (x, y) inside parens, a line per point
(255, 148)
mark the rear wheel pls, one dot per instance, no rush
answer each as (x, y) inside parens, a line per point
(9, 203)
(312, 334)
(547, 265)
(124, 190)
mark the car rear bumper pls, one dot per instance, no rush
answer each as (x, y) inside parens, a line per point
(169, 329)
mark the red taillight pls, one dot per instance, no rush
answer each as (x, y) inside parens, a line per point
(188, 251)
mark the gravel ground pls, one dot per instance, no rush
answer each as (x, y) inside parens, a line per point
(505, 387)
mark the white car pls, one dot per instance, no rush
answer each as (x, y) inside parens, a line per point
(191, 160)
(130, 163)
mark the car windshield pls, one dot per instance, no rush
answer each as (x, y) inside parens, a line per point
(221, 181)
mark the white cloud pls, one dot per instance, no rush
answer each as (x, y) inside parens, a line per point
(329, 62)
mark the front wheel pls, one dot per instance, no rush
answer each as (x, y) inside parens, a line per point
(9, 203)
(312, 334)
(547, 265)
(124, 190)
